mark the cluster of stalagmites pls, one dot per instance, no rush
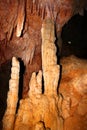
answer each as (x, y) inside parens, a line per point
(40, 110)
(48, 109)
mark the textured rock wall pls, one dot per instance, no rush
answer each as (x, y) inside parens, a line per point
(73, 88)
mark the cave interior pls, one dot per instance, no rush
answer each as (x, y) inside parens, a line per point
(22, 38)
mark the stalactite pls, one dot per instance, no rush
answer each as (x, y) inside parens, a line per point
(43, 13)
(48, 15)
(39, 7)
(31, 7)
(34, 8)
(10, 32)
(12, 97)
(21, 18)
(55, 12)
(36, 2)
(38, 10)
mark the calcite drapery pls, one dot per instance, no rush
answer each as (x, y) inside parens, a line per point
(40, 110)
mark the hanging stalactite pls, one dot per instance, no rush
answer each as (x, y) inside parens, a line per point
(21, 18)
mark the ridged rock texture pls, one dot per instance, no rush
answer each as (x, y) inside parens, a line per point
(73, 90)
(12, 97)
(46, 108)
(40, 109)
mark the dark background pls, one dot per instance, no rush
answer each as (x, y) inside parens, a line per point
(75, 31)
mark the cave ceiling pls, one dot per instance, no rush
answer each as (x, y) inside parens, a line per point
(21, 20)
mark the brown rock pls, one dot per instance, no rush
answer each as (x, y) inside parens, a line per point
(75, 123)
(73, 88)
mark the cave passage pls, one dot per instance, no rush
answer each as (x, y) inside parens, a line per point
(74, 36)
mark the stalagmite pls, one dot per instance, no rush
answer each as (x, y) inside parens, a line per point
(39, 111)
(50, 68)
(36, 82)
(12, 97)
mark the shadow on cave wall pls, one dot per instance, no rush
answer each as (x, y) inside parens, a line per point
(74, 36)
(5, 70)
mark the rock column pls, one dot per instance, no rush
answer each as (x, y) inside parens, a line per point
(49, 59)
(12, 97)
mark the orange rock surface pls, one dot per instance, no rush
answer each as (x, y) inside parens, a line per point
(39, 110)
(55, 107)
(73, 88)
(64, 109)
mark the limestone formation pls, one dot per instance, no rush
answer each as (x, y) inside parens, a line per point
(40, 110)
(50, 68)
(21, 18)
(12, 97)
(45, 108)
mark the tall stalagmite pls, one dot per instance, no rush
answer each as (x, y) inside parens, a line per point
(40, 110)
(12, 97)
(50, 68)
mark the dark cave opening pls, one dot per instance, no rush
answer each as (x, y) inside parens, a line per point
(74, 36)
